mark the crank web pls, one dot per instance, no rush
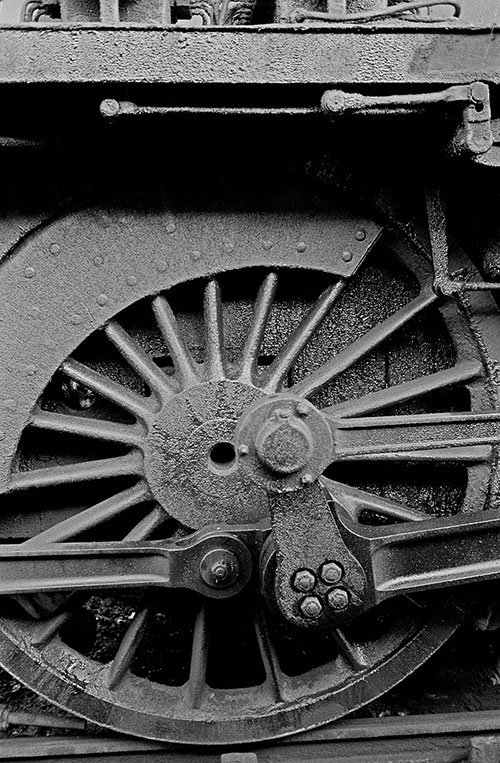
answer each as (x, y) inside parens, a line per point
(198, 354)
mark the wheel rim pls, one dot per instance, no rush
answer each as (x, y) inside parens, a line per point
(279, 703)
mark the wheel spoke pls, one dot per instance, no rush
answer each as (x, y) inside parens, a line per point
(47, 629)
(475, 454)
(97, 429)
(185, 367)
(146, 527)
(51, 626)
(355, 501)
(196, 684)
(116, 393)
(214, 341)
(401, 393)
(83, 471)
(128, 647)
(93, 516)
(298, 340)
(352, 653)
(258, 324)
(274, 675)
(362, 346)
(392, 435)
(155, 378)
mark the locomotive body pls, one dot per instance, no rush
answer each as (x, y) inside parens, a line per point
(249, 412)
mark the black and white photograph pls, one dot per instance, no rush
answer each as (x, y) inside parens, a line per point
(250, 381)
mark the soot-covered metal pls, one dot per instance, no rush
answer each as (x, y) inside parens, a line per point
(249, 414)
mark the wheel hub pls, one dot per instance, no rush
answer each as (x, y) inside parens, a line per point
(190, 457)
(284, 442)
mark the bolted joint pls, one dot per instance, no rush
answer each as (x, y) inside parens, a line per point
(304, 581)
(284, 443)
(331, 573)
(311, 607)
(338, 599)
(219, 568)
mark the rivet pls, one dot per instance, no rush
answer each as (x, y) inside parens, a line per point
(131, 280)
(161, 266)
(29, 272)
(54, 249)
(301, 247)
(302, 409)
(307, 478)
(31, 370)
(347, 256)
(102, 300)
(105, 219)
(196, 255)
(267, 245)
(170, 227)
(360, 234)
(76, 319)
(243, 450)
(98, 261)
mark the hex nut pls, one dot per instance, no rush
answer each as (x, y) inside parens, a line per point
(304, 581)
(219, 568)
(331, 573)
(338, 599)
(311, 607)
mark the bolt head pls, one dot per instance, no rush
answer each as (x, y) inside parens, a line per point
(331, 573)
(311, 607)
(243, 450)
(304, 581)
(338, 599)
(219, 568)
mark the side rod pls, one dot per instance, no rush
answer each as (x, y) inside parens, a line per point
(422, 556)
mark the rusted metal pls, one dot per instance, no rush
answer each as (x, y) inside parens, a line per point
(251, 55)
(9, 717)
(196, 379)
(473, 135)
(371, 13)
(440, 738)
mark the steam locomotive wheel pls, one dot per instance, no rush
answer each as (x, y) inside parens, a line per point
(122, 391)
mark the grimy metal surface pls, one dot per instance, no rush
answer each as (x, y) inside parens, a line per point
(174, 407)
(326, 55)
